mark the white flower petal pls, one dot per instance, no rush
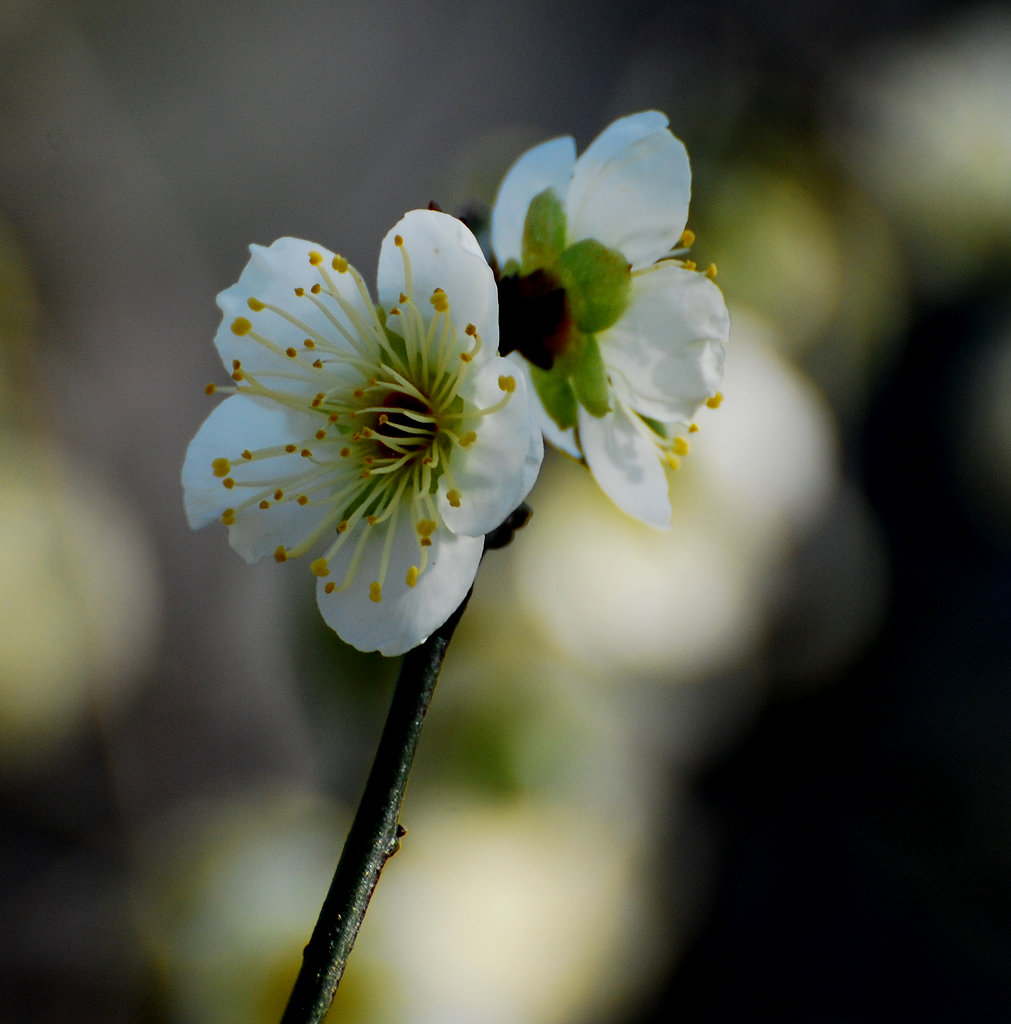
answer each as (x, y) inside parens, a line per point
(668, 344)
(496, 473)
(631, 188)
(548, 165)
(444, 254)
(406, 616)
(271, 276)
(626, 466)
(244, 422)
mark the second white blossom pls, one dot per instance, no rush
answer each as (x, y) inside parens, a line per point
(622, 337)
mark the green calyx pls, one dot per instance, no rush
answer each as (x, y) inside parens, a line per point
(596, 282)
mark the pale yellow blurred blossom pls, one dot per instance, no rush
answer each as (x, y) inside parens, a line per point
(79, 597)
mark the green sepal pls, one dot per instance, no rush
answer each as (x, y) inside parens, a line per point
(658, 428)
(543, 231)
(589, 378)
(597, 281)
(556, 395)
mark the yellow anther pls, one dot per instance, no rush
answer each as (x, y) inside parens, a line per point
(254, 304)
(300, 292)
(690, 264)
(291, 352)
(398, 240)
(345, 452)
(375, 591)
(439, 301)
(342, 526)
(672, 460)
(240, 326)
(320, 567)
(465, 357)
(238, 376)
(358, 393)
(278, 495)
(228, 517)
(309, 343)
(507, 384)
(315, 258)
(317, 400)
(280, 555)
(340, 264)
(711, 271)
(330, 587)
(412, 575)
(264, 503)
(221, 467)
(453, 497)
(305, 453)
(681, 446)
(320, 435)
(316, 289)
(395, 311)
(210, 389)
(291, 448)
(425, 542)
(466, 440)
(716, 401)
(693, 428)
(372, 520)
(403, 297)
(687, 238)
(228, 483)
(303, 499)
(426, 527)
(247, 454)
(236, 364)
(471, 330)
(317, 364)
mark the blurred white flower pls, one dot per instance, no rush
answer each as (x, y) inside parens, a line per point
(624, 338)
(79, 597)
(393, 437)
(926, 132)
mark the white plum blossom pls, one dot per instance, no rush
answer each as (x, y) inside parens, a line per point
(388, 438)
(623, 338)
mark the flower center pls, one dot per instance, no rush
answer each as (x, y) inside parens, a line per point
(407, 427)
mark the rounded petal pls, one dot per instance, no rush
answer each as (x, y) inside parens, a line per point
(668, 344)
(271, 277)
(631, 188)
(406, 615)
(497, 471)
(626, 465)
(548, 165)
(443, 253)
(244, 422)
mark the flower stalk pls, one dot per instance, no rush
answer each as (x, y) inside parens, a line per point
(376, 831)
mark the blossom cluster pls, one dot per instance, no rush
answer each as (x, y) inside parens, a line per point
(388, 437)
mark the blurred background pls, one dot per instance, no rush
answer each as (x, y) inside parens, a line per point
(757, 768)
